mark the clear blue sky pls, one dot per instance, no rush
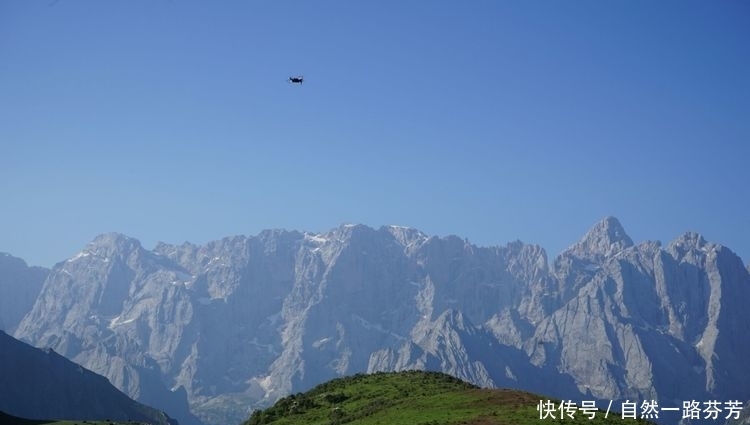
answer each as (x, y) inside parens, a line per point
(493, 120)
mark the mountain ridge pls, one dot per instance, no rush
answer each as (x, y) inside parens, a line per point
(41, 384)
(235, 323)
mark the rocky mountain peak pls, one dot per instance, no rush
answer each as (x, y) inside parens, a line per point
(605, 238)
(690, 244)
(109, 244)
(351, 232)
(690, 240)
(406, 236)
(350, 228)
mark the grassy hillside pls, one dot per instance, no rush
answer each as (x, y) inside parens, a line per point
(412, 398)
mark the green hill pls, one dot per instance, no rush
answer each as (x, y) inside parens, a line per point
(414, 397)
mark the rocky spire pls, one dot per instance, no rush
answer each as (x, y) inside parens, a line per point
(605, 238)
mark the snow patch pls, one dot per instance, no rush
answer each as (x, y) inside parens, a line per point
(315, 238)
(117, 322)
(320, 342)
(509, 374)
(81, 254)
(212, 261)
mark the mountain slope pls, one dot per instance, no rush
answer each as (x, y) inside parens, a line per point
(237, 323)
(42, 384)
(19, 287)
(75, 313)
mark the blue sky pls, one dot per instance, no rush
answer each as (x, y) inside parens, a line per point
(493, 120)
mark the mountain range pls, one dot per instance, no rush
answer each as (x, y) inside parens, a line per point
(210, 332)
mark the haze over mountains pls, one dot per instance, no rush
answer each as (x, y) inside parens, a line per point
(19, 288)
(217, 329)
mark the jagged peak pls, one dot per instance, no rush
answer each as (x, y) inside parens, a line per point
(519, 246)
(604, 238)
(353, 226)
(405, 235)
(690, 239)
(111, 243)
(693, 241)
(162, 247)
(113, 238)
(278, 233)
(347, 230)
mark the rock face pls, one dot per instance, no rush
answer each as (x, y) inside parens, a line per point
(743, 418)
(237, 323)
(19, 288)
(41, 384)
